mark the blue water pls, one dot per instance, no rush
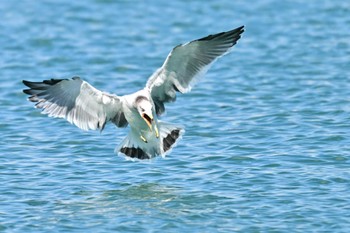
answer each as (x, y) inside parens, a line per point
(267, 142)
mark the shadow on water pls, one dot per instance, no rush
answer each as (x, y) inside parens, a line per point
(147, 199)
(152, 195)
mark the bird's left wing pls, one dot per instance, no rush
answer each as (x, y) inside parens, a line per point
(187, 62)
(77, 101)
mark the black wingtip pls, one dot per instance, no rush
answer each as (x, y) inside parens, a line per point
(234, 32)
(28, 84)
(25, 82)
(238, 30)
(27, 91)
(53, 81)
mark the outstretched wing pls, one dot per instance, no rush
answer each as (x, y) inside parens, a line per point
(77, 101)
(187, 62)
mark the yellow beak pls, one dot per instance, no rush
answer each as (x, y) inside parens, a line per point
(148, 119)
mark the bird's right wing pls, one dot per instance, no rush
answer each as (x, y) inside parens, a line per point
(187, 62)
(76, 101)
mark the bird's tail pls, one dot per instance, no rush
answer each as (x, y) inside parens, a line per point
(134, 147)
(169, 136)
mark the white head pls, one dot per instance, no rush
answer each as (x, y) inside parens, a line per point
(144, 107)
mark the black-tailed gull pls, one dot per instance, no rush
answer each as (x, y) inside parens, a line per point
(88, 108)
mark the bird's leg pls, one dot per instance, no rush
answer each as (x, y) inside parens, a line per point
(156, 131)
(143, 138)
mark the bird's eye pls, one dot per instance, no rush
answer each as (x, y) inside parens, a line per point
(142, 110)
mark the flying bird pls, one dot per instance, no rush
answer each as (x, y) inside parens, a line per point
(90, 109)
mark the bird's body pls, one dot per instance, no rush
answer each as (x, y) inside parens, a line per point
(88, 108)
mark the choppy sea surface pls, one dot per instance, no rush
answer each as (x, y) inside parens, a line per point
(267, 142)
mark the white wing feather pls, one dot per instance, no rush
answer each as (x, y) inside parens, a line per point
(77, 101)
(186, 63)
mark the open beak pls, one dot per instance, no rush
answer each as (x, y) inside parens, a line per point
(148, 119)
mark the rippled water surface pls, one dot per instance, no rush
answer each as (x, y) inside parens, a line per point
(267, 140)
